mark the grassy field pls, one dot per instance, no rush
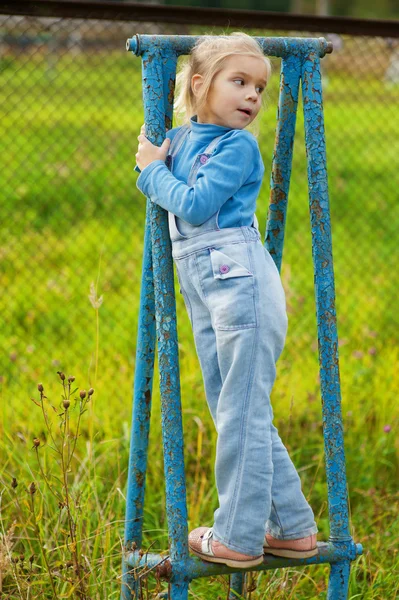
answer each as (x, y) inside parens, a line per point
(72, 216)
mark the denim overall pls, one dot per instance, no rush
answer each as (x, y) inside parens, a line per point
(236, 305)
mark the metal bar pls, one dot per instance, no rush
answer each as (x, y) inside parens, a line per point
(143, 378)
(272, 46)
(158, 71)
(328, 553)
(195, 568)
(144, 369)
(130, 588)
(154, 13)
(179, 590)
(325, 300)
(282, 156)
(143, 381)
(237, 586)
(339, 581)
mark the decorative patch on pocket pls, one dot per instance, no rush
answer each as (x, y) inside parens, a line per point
(224, 266)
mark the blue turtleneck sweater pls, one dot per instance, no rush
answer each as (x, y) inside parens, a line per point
(229, 181)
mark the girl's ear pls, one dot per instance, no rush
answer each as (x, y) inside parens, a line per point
(196, 83)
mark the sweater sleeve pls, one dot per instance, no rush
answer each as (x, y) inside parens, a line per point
(235, 162)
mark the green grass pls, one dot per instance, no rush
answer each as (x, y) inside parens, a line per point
(72, 215)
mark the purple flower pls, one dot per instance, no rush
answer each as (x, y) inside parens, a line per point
(387, 428)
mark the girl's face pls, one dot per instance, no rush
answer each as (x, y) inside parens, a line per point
(235, 96)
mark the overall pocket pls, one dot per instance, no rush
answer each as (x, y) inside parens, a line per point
(229, 287)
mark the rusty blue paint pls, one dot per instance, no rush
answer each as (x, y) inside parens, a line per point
(282, 156)
(182, 44)
(338, 582)
(325, 300)
(158, 79)
(196, 568)
(158, 87)
(143, 378)
(301, 58)
(142, 399)
(237, 586)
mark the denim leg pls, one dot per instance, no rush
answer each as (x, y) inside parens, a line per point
(204, 334)
(244, 466)
(291, 517)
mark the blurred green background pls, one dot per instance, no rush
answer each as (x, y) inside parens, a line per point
(72, 233)
(72, 214)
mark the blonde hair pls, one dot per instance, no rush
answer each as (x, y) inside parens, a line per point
(207, 58)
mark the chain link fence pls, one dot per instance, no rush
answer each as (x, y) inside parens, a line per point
(72, 218)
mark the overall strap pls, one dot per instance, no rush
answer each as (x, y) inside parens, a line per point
(178, 140)
(202, 159)
(211, 147)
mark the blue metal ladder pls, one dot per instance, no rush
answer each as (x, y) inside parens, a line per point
(300, 63)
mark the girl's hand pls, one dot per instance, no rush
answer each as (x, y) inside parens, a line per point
(147, 152)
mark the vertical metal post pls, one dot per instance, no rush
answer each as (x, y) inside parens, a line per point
(338, 583)
(144, 370)
(282, 156)
(158, 71)
(237, 586)
(325, 304)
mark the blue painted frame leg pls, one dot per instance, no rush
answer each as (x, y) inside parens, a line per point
(282, 157)
(237, 586)
(130, 585)
(179, 590)
(338, 583)
(325, 300)
(158, 78)
(143, 379)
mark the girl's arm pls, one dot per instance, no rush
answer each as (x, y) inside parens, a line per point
(235, 162)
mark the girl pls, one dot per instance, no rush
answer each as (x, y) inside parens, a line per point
(207, 175)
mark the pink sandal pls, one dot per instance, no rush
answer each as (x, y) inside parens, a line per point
(300, 548)
(202, 544)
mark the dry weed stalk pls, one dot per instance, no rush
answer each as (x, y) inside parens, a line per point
(63, 566)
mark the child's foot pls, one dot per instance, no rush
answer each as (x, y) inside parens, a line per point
(301, 548)
(202, 544)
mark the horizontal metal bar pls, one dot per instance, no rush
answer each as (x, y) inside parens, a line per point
(195, 568)
(272, 46)
(157, 13)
